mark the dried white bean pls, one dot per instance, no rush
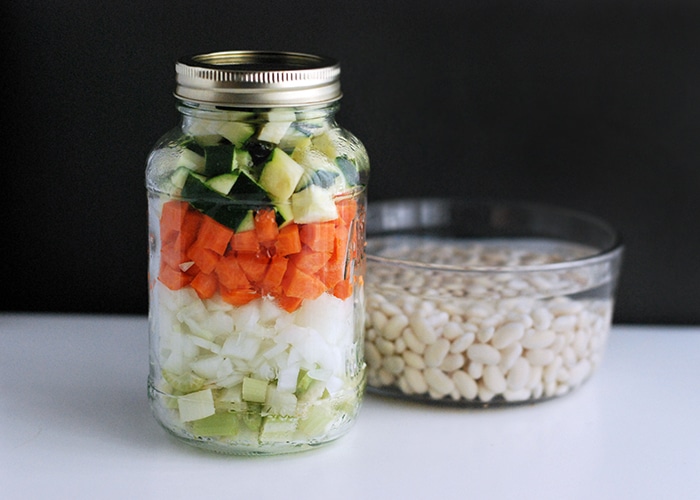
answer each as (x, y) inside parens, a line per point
(413, 359)
(506, 334)
(519, 395)
(494, 379)
(510, 355)
(438, 381)
(373, 357)
(384, 346)
(538, 339)
(452, 362)
(435, 353)
(461, 343)
(518, 375)
(484, 354)
(475, 370)
(423, 330)
(415, 380)
(466, 385)
(486, 336)
(393, 364)
(395, 326)
(412, 341)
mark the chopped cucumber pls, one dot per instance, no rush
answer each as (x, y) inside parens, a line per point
(219, 159)
(313, 204)
(236, 132)
(222, 183)
(278, 123)
(191, 160)
(180, 175)
(284, 213)
(294, 138)
(349, 170)
(204, 131)
(248, 222)
(318, 170)
(280, 175)
(243, 159)
(212, 203)
(247, 188)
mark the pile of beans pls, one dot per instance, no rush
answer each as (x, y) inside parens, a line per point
(481, 338)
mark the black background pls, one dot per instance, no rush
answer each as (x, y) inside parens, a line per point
(593, 105)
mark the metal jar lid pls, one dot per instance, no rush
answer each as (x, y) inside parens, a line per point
(258, 79)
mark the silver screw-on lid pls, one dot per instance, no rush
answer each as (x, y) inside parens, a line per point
(258, 79)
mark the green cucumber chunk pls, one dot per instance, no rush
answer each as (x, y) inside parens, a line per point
(218, 159)
(219, 207)
(280, 175)
(237, 133)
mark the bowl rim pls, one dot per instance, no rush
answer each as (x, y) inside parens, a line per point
(610, 253)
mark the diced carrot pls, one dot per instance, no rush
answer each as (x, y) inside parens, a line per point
(332, 272)
(205, 285)
(289, 304)
(189, 229)
(347, 209)
(172, 255)
(343, 289)
(190, 268)
(297, 283)
(239, 296)
(245, 241)
(172, 215)
(254, 265)
(272, 280)
(179, 224)
(173, 278)
(288, 241)
(213, 235)
(310, 261)
(266, 226)
(230, 274)
(205, 259)
(319, 236)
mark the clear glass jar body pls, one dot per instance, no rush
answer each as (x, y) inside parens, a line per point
(256, 229)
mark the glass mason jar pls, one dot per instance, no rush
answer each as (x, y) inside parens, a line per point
(257, 225)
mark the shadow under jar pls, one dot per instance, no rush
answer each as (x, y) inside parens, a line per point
(486, 303)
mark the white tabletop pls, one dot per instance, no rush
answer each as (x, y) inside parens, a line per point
(75, 423)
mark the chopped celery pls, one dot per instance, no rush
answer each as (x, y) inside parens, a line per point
(280, 403)
(277, 429)
(219, 424)
(196, 405)
(317, 420)
(183, 382)
(254, 390)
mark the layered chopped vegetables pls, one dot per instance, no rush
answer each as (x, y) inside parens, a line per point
(259, 255)
(289, 263)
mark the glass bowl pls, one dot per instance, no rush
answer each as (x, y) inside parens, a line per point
(482, 303)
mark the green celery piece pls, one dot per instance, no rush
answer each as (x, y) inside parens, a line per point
(277, 429)
(219, 424)
(253, 417)
(317, 420)
(254, 390)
